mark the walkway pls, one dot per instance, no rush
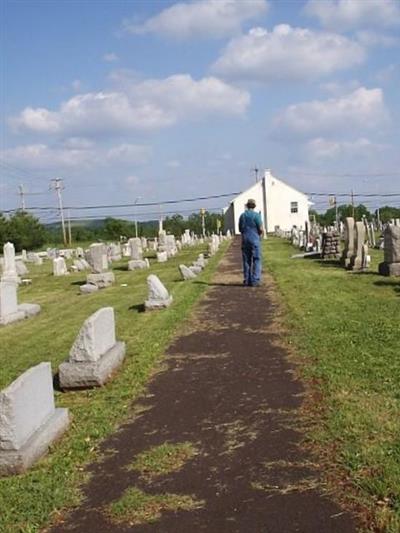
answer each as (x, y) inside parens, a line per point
(229, 389)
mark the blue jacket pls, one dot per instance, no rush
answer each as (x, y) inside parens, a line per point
(250, 226)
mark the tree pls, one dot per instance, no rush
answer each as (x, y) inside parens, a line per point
(386, 213)
(25, 231)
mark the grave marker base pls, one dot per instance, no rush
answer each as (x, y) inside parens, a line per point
(18, 461)
(81, 375)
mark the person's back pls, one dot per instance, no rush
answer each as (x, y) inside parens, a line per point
(251, 228)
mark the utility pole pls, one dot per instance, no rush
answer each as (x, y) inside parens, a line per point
(203, 223)
(56, 184)
(255, 170)
(69, 228)
(352, 202)
(136, 222)
(22, 195)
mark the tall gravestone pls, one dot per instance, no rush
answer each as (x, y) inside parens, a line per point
(95, 354)
(135, 245)
(29, 421)
(99, 264)
(358, 259)
(349, 234)
(9, 266)
(59, 267)
(391, 251)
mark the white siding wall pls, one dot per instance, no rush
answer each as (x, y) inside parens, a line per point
(279, 197)
(255, 192)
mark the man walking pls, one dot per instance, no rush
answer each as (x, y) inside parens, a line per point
(251, 228)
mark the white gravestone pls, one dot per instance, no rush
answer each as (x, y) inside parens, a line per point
(186, 272)
(135, 264)
(21, 269)
(95, 354)
(29, 421)
(162, 257)
(98, 258)
(158, 297)
(9, 266)
(59, 267)
(135, 245)
(10, 311)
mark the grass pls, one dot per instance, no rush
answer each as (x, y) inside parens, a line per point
(163, 459)
(30, 501)
(137, 507)
(346, 329)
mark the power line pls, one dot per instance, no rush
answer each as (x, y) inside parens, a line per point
(146, 204)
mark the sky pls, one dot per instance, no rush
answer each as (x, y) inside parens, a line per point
(146, 101)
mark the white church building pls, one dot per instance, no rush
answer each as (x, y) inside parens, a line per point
(278, 203)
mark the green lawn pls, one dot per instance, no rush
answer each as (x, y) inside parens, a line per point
(28, 502)
(346, 329)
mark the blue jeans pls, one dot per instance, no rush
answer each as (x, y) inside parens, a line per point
(251, 254)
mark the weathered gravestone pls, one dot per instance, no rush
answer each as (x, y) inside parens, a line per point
(162, 257)
(10, 311)
(349, 234)
(358, 260)
(186, 272)
(99, 265)
(9, 266)
(135, 245)
(136, 264)
(59, 267)
(95, 354)
(29, 421)
(158, 297)
(21, 268)
(391, 260)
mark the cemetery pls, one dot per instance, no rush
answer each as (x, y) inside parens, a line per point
(346, 343)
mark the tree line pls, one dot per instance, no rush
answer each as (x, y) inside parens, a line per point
(384, 214)
(27, 232)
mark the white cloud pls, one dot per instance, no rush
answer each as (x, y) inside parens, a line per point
(201, 18)
(110, 57)
(74, 154)
(363, 109)
(287, 53)
(372, 38)
(129, 153)
(350, 14)
(320, 148)
(146, 105)
(77, 85)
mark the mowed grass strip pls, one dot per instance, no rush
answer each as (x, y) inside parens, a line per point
(138, 507)
(163, 459)
(30, 501)
(346, 329)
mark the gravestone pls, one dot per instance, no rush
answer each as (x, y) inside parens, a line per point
(9, 266)
(59, 267)
(95, 354)
(98, 258)
(136, 249)
(99, 265)
(34, 258)
(391, 251)
(10, 311)
(162, 257)
(88, 288)
(186, 272)
(348, 252)
(21, 269)
(136, 264)
(357, 260)
(158, 297)
(29, 421)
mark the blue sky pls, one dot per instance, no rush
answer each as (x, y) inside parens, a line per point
(159, 100)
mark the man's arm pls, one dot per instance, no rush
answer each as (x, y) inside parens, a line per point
(241, 223)
(260, 227)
